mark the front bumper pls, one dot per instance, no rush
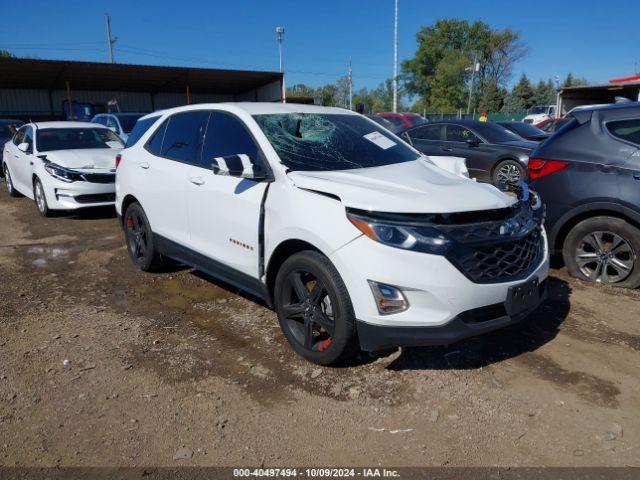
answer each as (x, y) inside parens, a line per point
(465, 325)
(71, 196)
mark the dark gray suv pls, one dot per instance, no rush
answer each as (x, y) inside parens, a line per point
(588, 175)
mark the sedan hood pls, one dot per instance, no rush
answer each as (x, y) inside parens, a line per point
(410, 187)
(84, 160)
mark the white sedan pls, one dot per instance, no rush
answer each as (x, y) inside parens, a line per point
(62, 165)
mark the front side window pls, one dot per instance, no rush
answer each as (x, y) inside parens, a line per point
(430, 132)
(19, 136)
(111, 123)
(49, 139)
(183, 137)
(628, 130)
(226, 135)
(457, 133)
(28, 138)
(323, 142)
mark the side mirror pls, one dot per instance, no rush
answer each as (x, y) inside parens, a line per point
(239, 166)
(473, 142)
(24, 147)
(113, 129)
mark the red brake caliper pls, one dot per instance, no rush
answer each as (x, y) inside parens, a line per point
(324, 344)
(130, 222)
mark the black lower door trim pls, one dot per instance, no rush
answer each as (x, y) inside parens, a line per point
(212, 267)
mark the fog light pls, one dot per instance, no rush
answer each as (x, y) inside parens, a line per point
(388, 299)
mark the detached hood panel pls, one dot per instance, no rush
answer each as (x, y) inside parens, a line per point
(99, 159)
(410, 187)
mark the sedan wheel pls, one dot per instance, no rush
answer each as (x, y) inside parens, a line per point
(9, 182)
(508, 172)
(41, 200)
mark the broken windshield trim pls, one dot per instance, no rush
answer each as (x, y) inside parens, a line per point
(332, 141)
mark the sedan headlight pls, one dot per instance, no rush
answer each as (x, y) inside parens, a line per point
(62, 173)
(408, 237)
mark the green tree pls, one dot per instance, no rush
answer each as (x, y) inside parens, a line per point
(545, 93)
(572, 81)
(441, 68)
(524, 91)
(6, 54)
(300, 90)
(492, 98)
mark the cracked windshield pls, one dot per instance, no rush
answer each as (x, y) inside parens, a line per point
(331, 142)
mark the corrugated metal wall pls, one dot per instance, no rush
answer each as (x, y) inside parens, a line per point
(25, 103)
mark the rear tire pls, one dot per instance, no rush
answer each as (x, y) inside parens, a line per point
(508, 171)
(40, 198)
(140, 241)
(604, 250)
(11, 190)
(314, 309)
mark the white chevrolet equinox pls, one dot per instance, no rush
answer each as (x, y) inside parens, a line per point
(356, 239)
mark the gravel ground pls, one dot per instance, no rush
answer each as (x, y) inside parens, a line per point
(103, 365)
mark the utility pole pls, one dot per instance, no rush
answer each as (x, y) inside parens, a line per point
(474, 68)
(350, 87)
(110, 40)
(395, 58)
(280, 39)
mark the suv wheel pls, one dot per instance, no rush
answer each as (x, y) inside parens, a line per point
(9, 182)
(604, 250)
(314, 309)
(40, 198)
(508, 171)
(140, 241)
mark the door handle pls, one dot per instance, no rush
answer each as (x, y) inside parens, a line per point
(144, 165)
(16, 156)
(30, 163)
(446, 149)
(197, 180)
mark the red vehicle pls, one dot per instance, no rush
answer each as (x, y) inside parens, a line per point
(403, 120)
(552, 124)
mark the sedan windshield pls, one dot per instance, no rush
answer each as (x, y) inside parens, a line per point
(524, 129)
(494, 133)
(48, 139)
(331, 142)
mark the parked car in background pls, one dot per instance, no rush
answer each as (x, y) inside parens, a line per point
(62, 165)
(404, 120)
(386, 123)
(494, 154)
(119, 123)
(357, 240)
(540, 113)
(8, 128)
(525, 130)
(553, 124)
(588, 175)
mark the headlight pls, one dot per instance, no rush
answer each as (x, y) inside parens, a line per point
(62, 173)
(408, 237)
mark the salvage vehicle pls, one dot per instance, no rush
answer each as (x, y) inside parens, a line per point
(526, 131)
(404, 120)
(119, 123)
(588, 174)
(8, 128)
(356, 239)
(62, 165)
(539, 114)
(493, 153)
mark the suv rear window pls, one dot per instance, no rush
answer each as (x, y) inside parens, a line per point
(628, 130)
(139, 130)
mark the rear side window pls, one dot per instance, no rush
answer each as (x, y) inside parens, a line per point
(456, 133)
(431, 132)
(183, 138)
(226, 135)
(139, 130)
(628, 130)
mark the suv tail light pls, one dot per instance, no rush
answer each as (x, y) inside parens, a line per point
(118, 159)
(539, 168)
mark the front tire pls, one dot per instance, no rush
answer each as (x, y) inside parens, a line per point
(604, 250)
(140, 240)
(508, 171)
(314, 309)
(11, 190)
(40, 198)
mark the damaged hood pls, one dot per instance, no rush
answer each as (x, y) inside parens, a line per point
(98, 159)
(409, 187)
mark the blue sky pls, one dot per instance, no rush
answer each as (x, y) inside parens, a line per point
(590, 38)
